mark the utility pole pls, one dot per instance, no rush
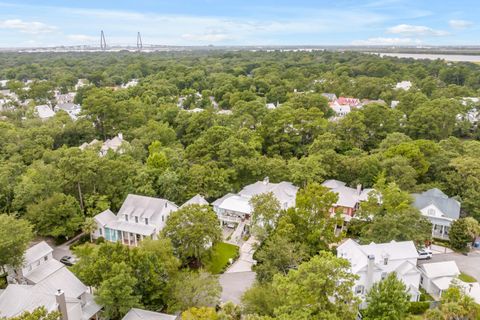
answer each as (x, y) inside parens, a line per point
(139, 42)
(103, 43)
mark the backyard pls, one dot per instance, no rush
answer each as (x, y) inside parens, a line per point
(219, 257)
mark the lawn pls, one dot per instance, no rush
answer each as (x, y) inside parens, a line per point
(466, 278)
(219, 257)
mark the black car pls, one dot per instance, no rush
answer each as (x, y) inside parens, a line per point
(67, 260)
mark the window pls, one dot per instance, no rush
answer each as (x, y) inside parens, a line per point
(136, 219)
(100, 231)
(45, 258)
(385, 260)
(146, 221)
(359, 289)
(163, 218)
(126, 218)
(421, 279)
(431, 212)
(384, 275)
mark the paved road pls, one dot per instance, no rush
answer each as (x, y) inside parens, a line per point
(235, 284)
(245, 262)
(468, 264)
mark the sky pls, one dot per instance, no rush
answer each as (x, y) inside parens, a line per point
(44, 23)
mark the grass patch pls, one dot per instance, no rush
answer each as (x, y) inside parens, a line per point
(220, 255)
(466, 278)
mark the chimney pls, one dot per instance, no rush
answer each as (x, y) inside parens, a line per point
(266, 180)
(370, 267)
(359, 189)
(62, 303)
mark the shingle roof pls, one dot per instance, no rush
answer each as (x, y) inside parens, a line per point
(197, 199)
(139, 314)
(448, 206)
(347, 197)
(440, 269)
(142, 206)
(36, 252)
(105, 217)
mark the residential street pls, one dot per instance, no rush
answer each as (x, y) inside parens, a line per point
(467, 264)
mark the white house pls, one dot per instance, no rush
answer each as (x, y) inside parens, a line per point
(140, 314)
(62, 98)
(403, 85)
(139, 217)
(45, 282)
(44, 112)
(373, 262)
(235, 208)
(116, 144)
(439, 209)
(341, 110)
(131, 83)
(197, 199)
(437, 276)
(72, 109)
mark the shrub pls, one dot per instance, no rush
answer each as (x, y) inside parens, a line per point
(418, 307)
(100, 240)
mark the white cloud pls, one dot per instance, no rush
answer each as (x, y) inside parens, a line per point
(81, 38)
(460, 24)
(407, 29)
(386, 41)
(31, 27)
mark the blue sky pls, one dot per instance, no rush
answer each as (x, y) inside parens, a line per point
(240, 22)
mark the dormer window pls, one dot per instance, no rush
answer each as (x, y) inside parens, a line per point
(126, 218)
(431, 212)
(146, 221)
(136, 219)
(385, 261)
(163, 218)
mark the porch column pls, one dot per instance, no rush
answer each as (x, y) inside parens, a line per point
(443, 231)
(433, 229)
(135, 238)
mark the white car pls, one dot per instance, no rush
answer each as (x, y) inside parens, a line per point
(424, 254)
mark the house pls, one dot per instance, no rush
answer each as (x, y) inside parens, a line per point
(374, 262)
(195, 110)
(271, 106)
(197, 199)
(131, 83)
(225, 112)
(403, 85)
(116, 144)
(352, 102)
(331, 97)
(138, 218)
(348, 198)
(64, 98)
(72, 109)
(436, 277)
(235, 208)
(139, 314)
(44, 112)
(48, 284)
(439, 209)
(341, 110)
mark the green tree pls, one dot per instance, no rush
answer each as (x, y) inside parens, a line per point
(40, 313)
(193, 230)
(56, 216)
(454, 304)
(266, 211)
(89, 226)
(193, 289)
(116, 293)
(387, 300)
(203, 313)
(462, 232)
(15, 235)
(320, 289)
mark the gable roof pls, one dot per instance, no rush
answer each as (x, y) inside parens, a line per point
(347, 197)
(139, 314)
(448, 206)
(36, 252)
(43, 271)
(440, 269)
(143, 206)
(284, 191)
(197, 199)
(44, 111)
(105, 217)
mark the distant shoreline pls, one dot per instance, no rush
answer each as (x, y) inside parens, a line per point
(433, 56)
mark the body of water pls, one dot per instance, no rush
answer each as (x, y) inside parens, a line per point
(446, 57)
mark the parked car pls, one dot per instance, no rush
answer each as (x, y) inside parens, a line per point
(67, 260)
(424, 254)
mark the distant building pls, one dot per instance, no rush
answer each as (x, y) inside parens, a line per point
(116, 144)
(81, 83)
(403, 85)
(439, 209)
(340, 110)
(45, 282)
(331, 97)
(64, 98)
(72, 109)
(374, 262)
(44, 112)
(131, 83)
(352, 102)
(197, 199)
(271, 106)
(138, 218)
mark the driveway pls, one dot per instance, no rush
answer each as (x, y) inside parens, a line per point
(234, 284)
(468, 264)
(245, 262)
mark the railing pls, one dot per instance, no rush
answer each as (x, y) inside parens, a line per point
(227, 218)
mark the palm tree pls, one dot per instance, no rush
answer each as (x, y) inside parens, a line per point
(89, 227)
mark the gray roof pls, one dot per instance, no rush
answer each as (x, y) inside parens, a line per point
(105, 217)
(197, 199)
(139, 314)
(142, 206)
(347, 197)
(36, 252)
(449, 206)
(43, 271)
